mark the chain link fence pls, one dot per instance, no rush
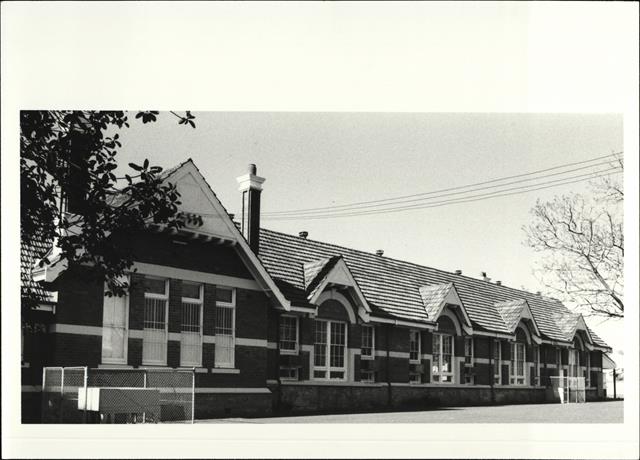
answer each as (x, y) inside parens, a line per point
(87, 395)
(568, 389)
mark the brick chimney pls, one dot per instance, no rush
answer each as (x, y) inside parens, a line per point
(250, 185)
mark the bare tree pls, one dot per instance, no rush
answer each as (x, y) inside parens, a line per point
(581, 242)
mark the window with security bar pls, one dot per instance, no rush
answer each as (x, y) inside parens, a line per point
(517, 376)
(497, 358)
(288, 335)
(225, 327)
(415, 376)
(154, 339)
(442, 368)
(367, 342)
(191, 326)
(329, 357)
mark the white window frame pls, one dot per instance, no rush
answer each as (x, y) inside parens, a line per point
(574, 362)
(284, 351)
(514, 377)
(165, 297)
(123, 360)
(200, 301)
(587, 378)
(440, 373)
(232, 306)
(327, 368)
(371, 356)
(471, 358)
(536, 365)
(416, 333)
(497, 378)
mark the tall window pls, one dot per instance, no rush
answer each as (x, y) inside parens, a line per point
(536, 365)
(442, 369)
(415, 368)
(367, 343)
(559, 360)
(587, 370)
(329, 350)
(574, 362)
(516, 376)
(289, 335)
(154, 339)
(225, 327)
(114, 330)
(468, 360)
(191, 328)
(497, 357)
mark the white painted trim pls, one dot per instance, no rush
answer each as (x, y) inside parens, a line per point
(336, 383)
(436, 385)
(272, 382)
(261, 343)
(498, 335)
(449, 314)
(209, 339)
(399, 354)
(428, 356)
(307, 348)
(341, 265)
(332, 294)
(233, 390)
(196, 276)
(114, 366)
(253, 262)
(272, 345)
(224, 370)
(174, 337)
(198, 370)
(31, 389)
(481, 360)
(551, 366)
(61, 328)
(400, 322)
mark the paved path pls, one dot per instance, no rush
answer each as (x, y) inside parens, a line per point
(595, 412)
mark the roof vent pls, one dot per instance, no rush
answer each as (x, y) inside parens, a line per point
(303, 234)
(231, 216)
(499, 283)
(539, 293)
(458, 272)
(379, 252)
(484, 276)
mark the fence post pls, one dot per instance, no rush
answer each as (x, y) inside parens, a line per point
(62, 394)
(193, 395)
(86, 372)
(44, 396)
(144, 384)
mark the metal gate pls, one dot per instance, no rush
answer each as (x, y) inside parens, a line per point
(568, 389)
(88, 395)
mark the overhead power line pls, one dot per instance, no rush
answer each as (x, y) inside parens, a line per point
(473, 187)
(468, 199)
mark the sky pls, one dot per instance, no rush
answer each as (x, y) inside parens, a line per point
(316, 159)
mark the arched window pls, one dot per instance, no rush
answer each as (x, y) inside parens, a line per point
(443, 369)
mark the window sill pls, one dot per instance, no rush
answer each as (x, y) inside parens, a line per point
(337, 383)
(114, 366)
(224, 370)
(289, 352)
(367, 358)
(198, 369)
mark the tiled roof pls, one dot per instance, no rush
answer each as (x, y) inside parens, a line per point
(433, 296)
(511, 311)
(30, 253)
(316, 271)
(393, 286)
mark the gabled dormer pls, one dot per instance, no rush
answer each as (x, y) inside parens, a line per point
(514, 312)
(440, 298)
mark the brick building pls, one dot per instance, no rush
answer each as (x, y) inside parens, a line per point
(276, 323)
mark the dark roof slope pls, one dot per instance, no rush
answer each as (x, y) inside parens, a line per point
(393, 286)
(30, 253)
